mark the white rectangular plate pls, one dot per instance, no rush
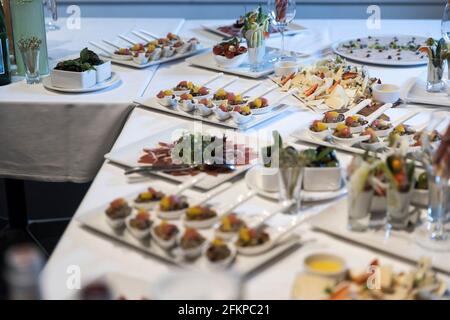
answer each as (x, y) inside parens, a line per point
(243, 265)
(131, 63)
(333, 220)
(293, 28)
(130, 154)
(206, 60)
(414, 92)
(151, 103)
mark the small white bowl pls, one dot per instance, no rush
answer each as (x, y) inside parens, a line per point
(103, 71)
(386, 93)
(186, 105)
(225, 236)
(145, 205)
(115, 223)
(255, 250)
(138, 234)
(140, 59)
(383, 133)
(155, 55)
(203, 224)
(168, 51)
(235, 62)
(185, 47)
(180, 92)
(167, 101)
(322, 179)
(191, 253)
(165, 244)
(321, 135)
(73, 80)
(372, 146)
(222, 263)
(337, 275)
(203, 110)
(170, 215)
(420, 198)
(350, 141)
(241, 119)
(285, 68)
(122, 57)
(221, 115)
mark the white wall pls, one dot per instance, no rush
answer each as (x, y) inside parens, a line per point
(230, 9)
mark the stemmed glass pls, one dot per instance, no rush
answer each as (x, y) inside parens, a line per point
(435, 237)
(281, 13)
(52, 8)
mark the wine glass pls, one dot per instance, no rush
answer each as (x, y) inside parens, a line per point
(52, 8)
(281, 13)
(434, 235)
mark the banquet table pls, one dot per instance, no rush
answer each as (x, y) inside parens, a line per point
(49, 136)
(96, 255)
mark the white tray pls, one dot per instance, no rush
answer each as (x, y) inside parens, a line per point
(129, 155)
(376, 58)
(242, 265)
(414, 92)
(152, 103)
(206, 60)
(402, 244)
(293, 28)
(131, 63)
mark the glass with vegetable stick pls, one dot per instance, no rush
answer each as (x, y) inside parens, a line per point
(255, 32)
(281, 12)
(437, 52)
(434, 235)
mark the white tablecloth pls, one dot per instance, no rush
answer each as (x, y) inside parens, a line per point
(51, 136)
(96, 255)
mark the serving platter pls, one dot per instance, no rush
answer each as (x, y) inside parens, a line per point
(402, 244)
(129, 155)
(114, 80)
(132, 64)
(414, 92)
(206, 60)
(369, 53)
(152, 103)
(292, 28)
(242, 265)
(307, 196)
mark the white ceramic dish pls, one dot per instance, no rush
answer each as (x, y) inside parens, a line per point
(227, 63)
(226, 236)
(115, 223)
(350, 141)
(73, 80)
(170, 215)
(255, 250)
(307, 196)
(138, 234)
(225, 262)
(285, 68)
(164, 244)
(322, 179)
(203, 110)
(360, 55)
(103, 71)
(167, 101)
(241, 119)
(337, 275)
(145, 205)
(114, 80)
(203, 224)
(320, 135)
(186, 105)
(386, 93)
(221, 115)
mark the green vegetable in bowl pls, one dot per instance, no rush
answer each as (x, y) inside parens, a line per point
(89, 56)
(322, 157)
(74, 66)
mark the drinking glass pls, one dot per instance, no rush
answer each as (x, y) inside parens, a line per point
(281, 13)
(433, 235)
(359, 209)
(30, 59)
(398, 205)
(290, 180)
(52, 8)
(435, 75)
